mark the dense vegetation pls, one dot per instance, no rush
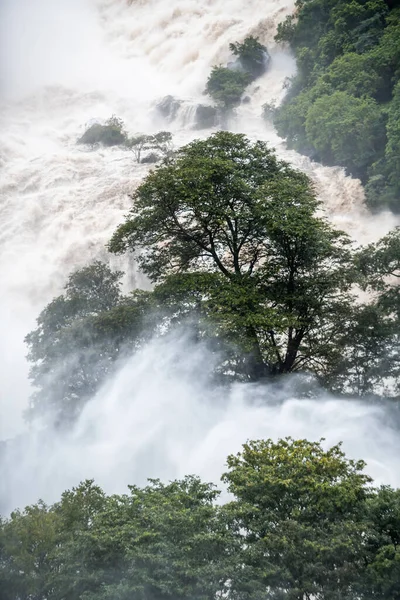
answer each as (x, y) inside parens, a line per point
(231, 238)
(343, 106)
(226, 85)
(302, 522)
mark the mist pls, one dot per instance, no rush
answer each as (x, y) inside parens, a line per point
(162, 416)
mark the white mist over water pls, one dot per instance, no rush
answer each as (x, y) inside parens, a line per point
(162, 416)
(62, 64)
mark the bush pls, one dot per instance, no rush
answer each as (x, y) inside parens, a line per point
(112, 133)
(226, 86)
(253, 56)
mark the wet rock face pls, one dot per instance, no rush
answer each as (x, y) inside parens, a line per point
(205, 117)
(151, 158)
(168, 107)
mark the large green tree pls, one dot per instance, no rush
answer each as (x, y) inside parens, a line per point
(382, 576)
(299, 510)
(226, 227)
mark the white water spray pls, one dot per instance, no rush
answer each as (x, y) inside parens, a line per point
(162, 416)
(64, 64)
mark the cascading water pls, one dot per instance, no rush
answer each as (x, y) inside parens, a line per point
(62, 66)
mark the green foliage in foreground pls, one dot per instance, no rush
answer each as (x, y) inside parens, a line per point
(231, 237)
(343, 106)
(302, 522)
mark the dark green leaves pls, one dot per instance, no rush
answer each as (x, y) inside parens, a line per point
(302, 521)
(228, 209)
(341, 108)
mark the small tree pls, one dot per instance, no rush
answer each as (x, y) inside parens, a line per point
(78, 338)
(161, 141)
(226, 86)
(253, 56)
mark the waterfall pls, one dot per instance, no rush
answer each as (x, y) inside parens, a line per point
(64, 64)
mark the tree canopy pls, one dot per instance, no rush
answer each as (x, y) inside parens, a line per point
(226, 221)
(226, 85)
(79, 336)
(302, 521)
(234, 241)
(342, 106)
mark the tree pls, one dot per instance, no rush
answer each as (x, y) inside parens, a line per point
(160, 141)
(299, 510)
(302, 522)
(393, 137)
(346, 131)
(380, 266)
(28, 541)
(78, 338)
(380, 263)
(252, 55)
(381, 578)
(356, 74)
(160, 541)
(226, 86)
(370, 344)
(225, 220)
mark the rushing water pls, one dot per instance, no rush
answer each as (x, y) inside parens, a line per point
(63, 64)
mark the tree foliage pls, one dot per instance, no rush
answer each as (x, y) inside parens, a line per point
(252, 55)
(345, 130)
(78, 338)
(112, 133)
(300, 510)
(226, 85)
(302, 521)
(226, 220)
(341, 107)
(161, 142)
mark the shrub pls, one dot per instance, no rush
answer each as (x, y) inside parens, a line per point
(112, 133)
(226, 86)
(253, 56)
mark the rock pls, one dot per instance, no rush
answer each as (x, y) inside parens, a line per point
(205, 117)
(168, 107)
(151, 158)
